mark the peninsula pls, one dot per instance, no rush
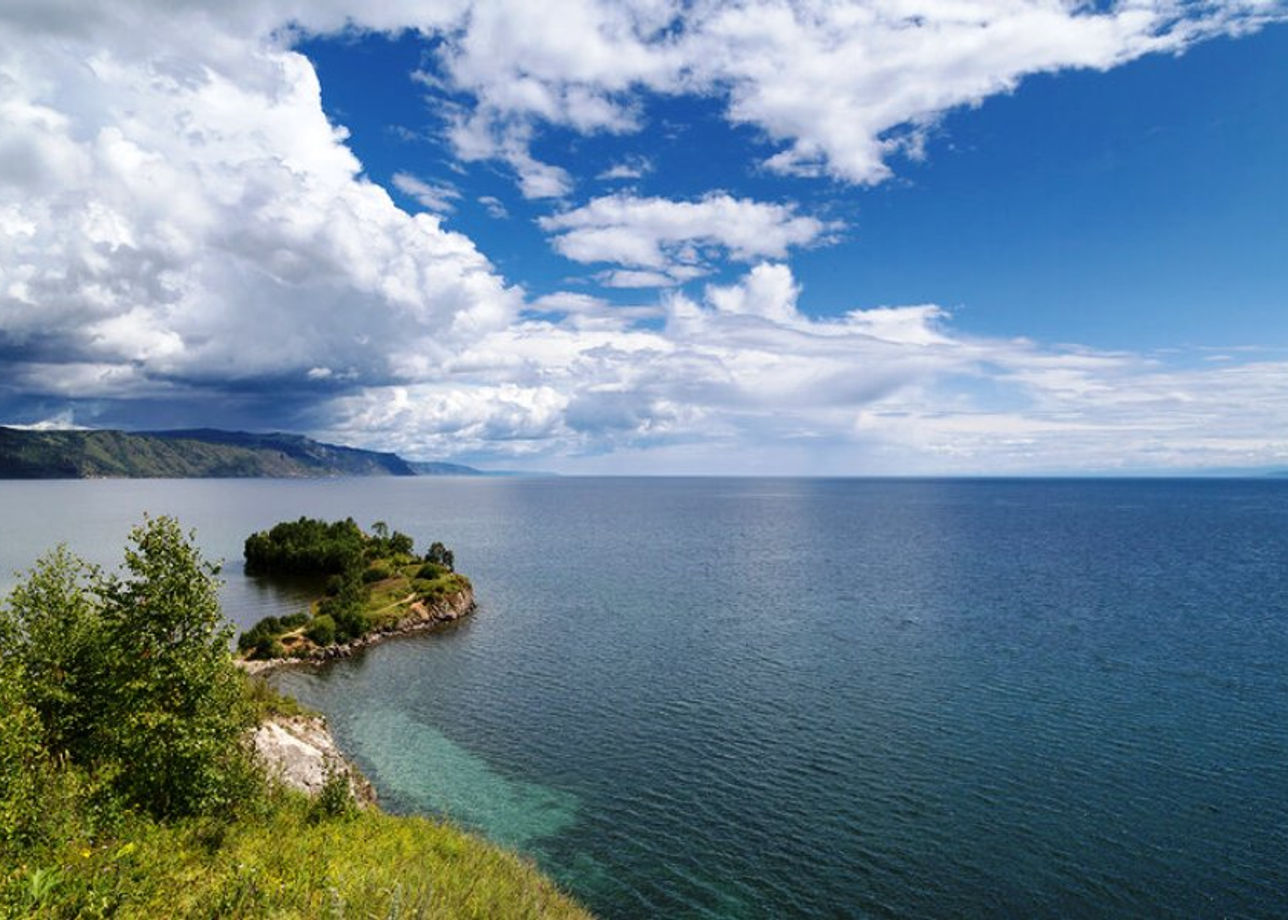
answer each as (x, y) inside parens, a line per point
(375, 586)
(143, 775)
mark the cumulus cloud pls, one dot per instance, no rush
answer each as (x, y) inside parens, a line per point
(669, 237)
(185, 238)
(180, 213)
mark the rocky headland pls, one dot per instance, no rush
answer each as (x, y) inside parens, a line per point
(421, 615)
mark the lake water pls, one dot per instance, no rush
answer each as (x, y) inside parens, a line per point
(811, 698)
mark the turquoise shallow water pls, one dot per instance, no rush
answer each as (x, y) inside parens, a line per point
(779, 698)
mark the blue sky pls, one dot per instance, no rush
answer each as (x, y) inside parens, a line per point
(1143, 207)
(781, 237)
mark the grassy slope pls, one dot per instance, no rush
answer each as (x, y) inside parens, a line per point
(282, 858)
(287, 863)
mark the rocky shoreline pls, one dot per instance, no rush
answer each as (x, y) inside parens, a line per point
(299, 752)
(420, 617)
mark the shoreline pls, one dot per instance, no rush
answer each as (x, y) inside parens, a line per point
(421, 617)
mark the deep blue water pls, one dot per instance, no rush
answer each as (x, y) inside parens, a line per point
(813, 698)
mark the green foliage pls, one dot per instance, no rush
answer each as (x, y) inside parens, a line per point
(306, 547)
(431, 570)
(382, 544)
(294, 620)
(267, 648)
(351, 624)
(55, 633)
(263, 634)
(268, 627)
(22, 761)
(321, 630)
(400, 545)
(335, 800)
(265, 701)
(128, 674)
(441, 555)
(370, 579)
(346, 608)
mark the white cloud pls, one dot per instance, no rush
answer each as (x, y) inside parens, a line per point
(635, 167)
(479, 135)
(838, 87)
(182, 211)
(668, 237)
(62, 421)
(743, 381)
(432, 196)
(635, 278)
(495, 207)
(180, 222)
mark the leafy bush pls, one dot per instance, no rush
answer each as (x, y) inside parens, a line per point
(267, 628)
(377, 572)
(401, 545)
(262, 635)
(321, 630)
(267, 648)
(351, 624)
(430, 571)
(335, 799)
(293, 621)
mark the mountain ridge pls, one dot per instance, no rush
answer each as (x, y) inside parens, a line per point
(194, 453)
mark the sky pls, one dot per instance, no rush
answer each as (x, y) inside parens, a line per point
(911, 237)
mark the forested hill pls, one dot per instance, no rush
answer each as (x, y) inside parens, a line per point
(200, 452)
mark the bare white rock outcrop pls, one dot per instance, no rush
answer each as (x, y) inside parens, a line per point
(299, 752)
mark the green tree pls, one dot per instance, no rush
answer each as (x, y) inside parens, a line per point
(22, 759)
(178, 708)
(400, 544)
(129, 675)
(441, 555)
(51, 628)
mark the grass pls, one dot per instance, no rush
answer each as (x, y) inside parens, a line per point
(390, 598)
(286, 863)
(266, 702)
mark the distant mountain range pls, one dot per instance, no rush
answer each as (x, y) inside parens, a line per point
(192, 453)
